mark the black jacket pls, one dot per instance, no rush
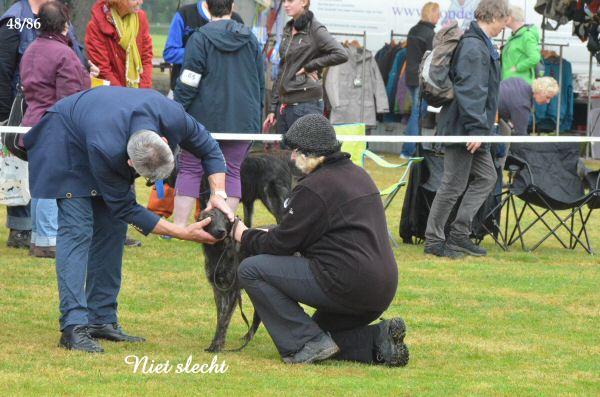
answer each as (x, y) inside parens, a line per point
(475, 72)
(227, 56)
(312, 48)
(335, 218)
(420, 40)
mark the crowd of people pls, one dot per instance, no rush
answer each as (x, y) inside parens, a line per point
(83, 203)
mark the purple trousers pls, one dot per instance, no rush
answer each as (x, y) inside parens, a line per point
(191, 172)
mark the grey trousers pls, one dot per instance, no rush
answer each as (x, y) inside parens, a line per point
(277, 284)
(459, 164)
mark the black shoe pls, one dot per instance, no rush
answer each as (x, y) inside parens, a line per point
(320, 348)
(112, 332)
(129, 242)
(441, 250)
(19, 238)
(78, 338)
(465, 245)
(390, 346)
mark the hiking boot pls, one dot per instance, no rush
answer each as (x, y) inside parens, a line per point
(442, 251)
(318, 349)
(43, 252)
(19, 238)
(390, 347)
(112, 332)
(78, 338)
(465, 245)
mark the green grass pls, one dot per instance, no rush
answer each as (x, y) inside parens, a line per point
(513, 323)
(158, 43)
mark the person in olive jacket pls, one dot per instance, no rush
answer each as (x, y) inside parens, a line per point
(306, 48)
(331, 251)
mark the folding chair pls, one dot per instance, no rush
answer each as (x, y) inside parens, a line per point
(359, 153)
(545, 178)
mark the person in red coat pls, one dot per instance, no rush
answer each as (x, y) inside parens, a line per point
(118, 41)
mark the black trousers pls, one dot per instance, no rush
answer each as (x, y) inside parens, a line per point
(277, 284)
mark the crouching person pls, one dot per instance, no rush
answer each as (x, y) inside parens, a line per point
(346, 268)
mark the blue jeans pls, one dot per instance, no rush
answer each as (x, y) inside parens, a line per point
(44, 222)
(293, 112)
(89, 254)
(19, 217)
(412, 128)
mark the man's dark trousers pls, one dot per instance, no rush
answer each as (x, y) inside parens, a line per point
(276, 284)
(18, 217)
(459, 164)
(89, 254)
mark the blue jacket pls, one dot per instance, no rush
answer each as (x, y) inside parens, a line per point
(79, 148)
(229, 95)
(546, 115)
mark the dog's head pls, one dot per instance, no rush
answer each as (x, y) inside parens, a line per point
(219, 226)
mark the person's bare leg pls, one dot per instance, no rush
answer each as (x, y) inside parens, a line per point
(182, 209)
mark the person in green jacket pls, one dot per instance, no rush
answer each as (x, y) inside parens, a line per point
(522, 52)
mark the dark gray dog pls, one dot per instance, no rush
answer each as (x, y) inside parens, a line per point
(265, 177)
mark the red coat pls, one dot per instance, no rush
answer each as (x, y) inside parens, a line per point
(104, 50)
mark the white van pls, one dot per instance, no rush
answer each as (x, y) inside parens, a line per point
(380, 17)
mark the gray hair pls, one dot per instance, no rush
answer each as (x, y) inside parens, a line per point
(152, 158)
(517, 13)
(490, 10)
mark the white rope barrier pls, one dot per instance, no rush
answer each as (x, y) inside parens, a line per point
(392, 138)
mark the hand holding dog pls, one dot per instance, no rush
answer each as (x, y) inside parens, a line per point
(196, 232)
(219, 203)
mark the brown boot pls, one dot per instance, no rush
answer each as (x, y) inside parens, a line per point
(44, 252)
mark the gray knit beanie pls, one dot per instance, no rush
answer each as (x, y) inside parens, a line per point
(312, 135)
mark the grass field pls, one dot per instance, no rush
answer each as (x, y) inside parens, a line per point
(515, 323)
(158, 43)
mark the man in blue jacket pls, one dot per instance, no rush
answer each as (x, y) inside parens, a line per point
(221, 86)
(187, 19)
(475, 73)
(86, 152)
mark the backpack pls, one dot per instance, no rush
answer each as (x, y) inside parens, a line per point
(434, 72)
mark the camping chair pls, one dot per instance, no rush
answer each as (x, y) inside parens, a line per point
(359, 153)
(545, 178)
(425, 181)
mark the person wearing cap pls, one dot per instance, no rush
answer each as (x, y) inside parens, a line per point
(331, 251)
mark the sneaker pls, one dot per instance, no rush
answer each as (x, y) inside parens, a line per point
(19, 238)
(404, 157)
(465, 245)
(390, 347)
(129, 242)
(442, 251)
(318, 349)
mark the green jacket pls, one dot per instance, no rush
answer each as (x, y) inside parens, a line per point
(522, 51)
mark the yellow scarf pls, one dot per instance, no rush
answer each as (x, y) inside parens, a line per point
(128, 28)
